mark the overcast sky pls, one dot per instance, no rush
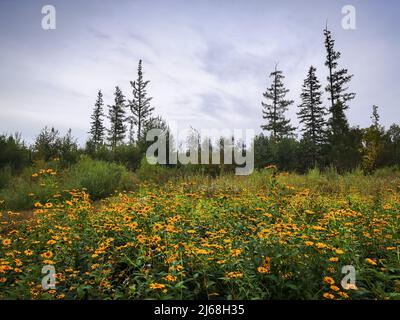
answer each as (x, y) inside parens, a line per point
(208, 61)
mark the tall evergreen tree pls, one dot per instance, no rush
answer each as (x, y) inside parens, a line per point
(338, 126)
(116, 114)
(97, 129)
(140, 104)
(337, 80)
(312, 114)
(276, 106)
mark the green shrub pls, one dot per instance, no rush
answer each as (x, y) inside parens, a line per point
(5, 176)
(155, 173)
(24, 190)
(100, 178)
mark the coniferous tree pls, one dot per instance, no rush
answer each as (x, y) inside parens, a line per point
(97, 129)
(339, 98)
(116, 133)
(140, 104)
(131, 130)
(275, 107)
(337, 80)
(312, 114)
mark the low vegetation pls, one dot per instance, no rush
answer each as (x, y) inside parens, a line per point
(266, 236)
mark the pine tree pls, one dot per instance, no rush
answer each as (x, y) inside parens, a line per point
(274, 112)
(337, 80)
(131, 136)
(97, 129)
(312, 114)
(140, 104)
(340, 142)
(116, 114)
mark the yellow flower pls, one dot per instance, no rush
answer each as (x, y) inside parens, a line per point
(387, 207)
(334, 259)
(339, 251)
(28, 252)
(321, 245)
(38, 205)
(170, 278)
(50, 242)
(328, 296)
(48, 205)
(234, 274)
(18, 262)
(156, 286)
(263, 270)
(47, 254)
(202, 251)
(309, 243)
(335, 288)
(6, 242)
(343, 295)
(329, 280)
(371, 262)
(235, 252)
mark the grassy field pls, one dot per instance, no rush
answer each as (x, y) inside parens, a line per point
(267, 236)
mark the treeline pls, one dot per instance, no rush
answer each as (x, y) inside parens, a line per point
(327, 139)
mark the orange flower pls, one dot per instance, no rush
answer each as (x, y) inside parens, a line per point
(263, 270)
(329, 280)
(6, 242)
(234, 274)
(371, 262)
(335, 288)
(156, 286)
(47, 254)
(328, 296)
(170, 278)
(235, 252)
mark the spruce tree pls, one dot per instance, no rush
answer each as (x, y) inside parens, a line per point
(337, 80)
(140, 104)
(338, 126)
(116, 114)
(97, 129)
(311, 115)
(275, 107)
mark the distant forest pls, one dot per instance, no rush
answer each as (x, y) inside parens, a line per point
(327, 139)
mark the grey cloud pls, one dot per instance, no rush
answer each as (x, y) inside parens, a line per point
(98, 34)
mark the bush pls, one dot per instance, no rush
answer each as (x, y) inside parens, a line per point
(154, 173)
(34, 184)
(100, 178)
(5, 176)
(14, 154)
